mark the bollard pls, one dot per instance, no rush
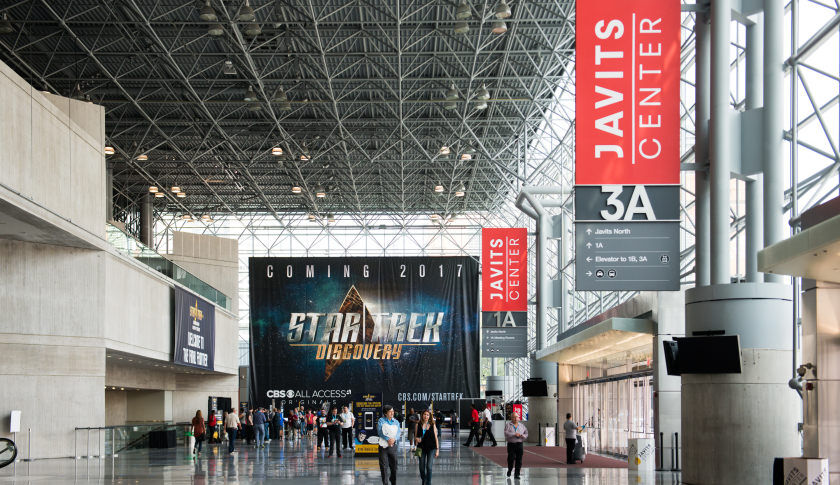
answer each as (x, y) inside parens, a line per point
(87, 454)
(673, 468)
(539, 434)
(677, 449)
(29, 445)
(661, 450)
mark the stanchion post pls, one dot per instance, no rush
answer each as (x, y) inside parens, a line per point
(661, 450)
(539, 434)
(87, 451)
(29, 445)
(99, 442)
(677, 448)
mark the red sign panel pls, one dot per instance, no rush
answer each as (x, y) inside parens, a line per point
(627, 92)
(504, 270)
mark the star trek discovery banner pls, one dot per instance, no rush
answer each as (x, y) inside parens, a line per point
(329, 329)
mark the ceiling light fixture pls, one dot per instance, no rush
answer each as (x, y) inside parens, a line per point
(229, 70)
(252, 29)
(175, 189)
(159, 195)
(439, 188)
(246, 13)
(444, 150)
(142, 157)
(331, 218)
(181, 194)
(304, 157)
(153, 189)
(280, 97)
(434, 217)
(216, 30)
(481, 97)
(109, 150)
(451, 98)
(502, 10)
(207, 13)
(186, 217)
(277, 151)
(77, 93)
(250, 95)
(466, 157)
(311, 217)
(6, 25)
(296, 189)
(461, 191)
(320, 192)
(499, 27)
(463, 11)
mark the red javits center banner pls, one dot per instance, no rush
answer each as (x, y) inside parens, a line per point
(504, 270)
(627, 147)
(627, 92)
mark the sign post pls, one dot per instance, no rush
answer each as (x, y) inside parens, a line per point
(627, 176)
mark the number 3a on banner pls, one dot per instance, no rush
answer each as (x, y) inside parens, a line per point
(639, 204)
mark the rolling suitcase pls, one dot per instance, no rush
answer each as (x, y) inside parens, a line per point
(580, 450)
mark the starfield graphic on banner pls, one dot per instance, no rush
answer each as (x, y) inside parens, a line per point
(328, 329)
(627, 103)
(195, 331)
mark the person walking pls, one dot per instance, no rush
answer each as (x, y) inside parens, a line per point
(388, 430)
(426, 439)
(515, 434)
(453, 423)
(571, 430)
(334, 423)
(487, 427)
(259, 428)
(347, 428)
(277, 422)
(474, 421)
(199, 431)
(212, 427)
(232, 425)
(412, 419)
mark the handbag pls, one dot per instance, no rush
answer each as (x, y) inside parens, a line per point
(418, 452)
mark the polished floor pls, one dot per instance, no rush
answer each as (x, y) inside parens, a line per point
(299, 463)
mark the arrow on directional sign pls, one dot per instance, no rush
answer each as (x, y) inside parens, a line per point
(589, 273)
(588, 259)
(588, 245)
(588, 231)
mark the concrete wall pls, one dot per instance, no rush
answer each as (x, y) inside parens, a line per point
(116, 407)
(51, 151)
(213, 259)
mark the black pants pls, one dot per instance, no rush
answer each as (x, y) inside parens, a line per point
(335, 440)
(231, 432)
(347, 437)
(570, 450)
(388, 460)
(515, 451)
(473, 433)
(323, 437)
(486, 432)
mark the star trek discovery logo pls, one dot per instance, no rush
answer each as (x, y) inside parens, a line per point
(354, 333)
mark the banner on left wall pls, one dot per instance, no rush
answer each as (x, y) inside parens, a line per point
(195, 331)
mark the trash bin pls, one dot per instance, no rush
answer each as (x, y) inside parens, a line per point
(641, 454)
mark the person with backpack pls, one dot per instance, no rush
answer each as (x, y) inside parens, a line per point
(199, 431)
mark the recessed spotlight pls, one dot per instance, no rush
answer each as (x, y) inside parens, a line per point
(142, 158)
(153, 189)
(277, 151)
(109, 150)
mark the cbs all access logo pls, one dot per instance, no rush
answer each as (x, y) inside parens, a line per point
(308, 394)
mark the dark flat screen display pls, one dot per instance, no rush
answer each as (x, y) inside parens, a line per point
(534, 388)
(704, 355)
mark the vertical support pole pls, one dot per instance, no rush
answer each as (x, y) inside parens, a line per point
(543, 282)
(109, 192)
(146, 218)
(754, 99)
(754, 230)
(719, 168)
(701, 150)
(774, 190)
(565, 257)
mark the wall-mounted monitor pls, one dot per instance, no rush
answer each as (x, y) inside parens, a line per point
(703, 355)
(534, 388)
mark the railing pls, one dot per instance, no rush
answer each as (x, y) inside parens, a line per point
(102, 441)
(133, 248)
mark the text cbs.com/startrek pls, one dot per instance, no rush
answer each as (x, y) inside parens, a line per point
(345, 393)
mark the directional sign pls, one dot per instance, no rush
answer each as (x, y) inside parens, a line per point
(509, 342)
(627, 256)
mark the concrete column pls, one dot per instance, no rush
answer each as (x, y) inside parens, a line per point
(667, 401)
(721, 139)
(820, 347)
(701, 150)
(735, 424)
(109, 193)
(754, 230)
(774, 99)
(146, 220)
(543, 282)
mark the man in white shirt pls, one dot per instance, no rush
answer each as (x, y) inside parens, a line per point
(347, 428)
(388, 430)
(487, 427)
(570, 429)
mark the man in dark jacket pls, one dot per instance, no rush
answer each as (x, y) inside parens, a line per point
(334, 422)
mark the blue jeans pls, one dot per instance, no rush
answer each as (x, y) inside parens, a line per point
(259, 433)
(426, 461)
(231, 432)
